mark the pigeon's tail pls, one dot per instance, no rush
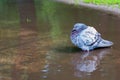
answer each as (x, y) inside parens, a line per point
(105, 43)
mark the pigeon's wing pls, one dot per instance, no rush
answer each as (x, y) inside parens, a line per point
(105, 43)
(89, 36)
(92, 39)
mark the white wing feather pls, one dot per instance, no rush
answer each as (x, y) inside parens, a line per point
(88, 35)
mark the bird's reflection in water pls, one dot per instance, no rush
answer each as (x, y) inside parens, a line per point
(87, 62)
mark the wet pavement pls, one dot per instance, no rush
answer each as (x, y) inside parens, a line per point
(35, 42)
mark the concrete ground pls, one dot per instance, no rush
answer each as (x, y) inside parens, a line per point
(109, 9)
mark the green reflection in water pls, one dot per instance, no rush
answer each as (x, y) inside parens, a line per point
(8, 14)
(48, 14)
(9, 28)
(9, 23)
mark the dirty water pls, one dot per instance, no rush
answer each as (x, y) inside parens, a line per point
(35, 42)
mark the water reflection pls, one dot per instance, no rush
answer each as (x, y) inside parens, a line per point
(27, 14)
(35, 44)
(28, 39)
(48, 12)
(88, 62)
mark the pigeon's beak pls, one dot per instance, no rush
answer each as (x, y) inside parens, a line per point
(105, 43)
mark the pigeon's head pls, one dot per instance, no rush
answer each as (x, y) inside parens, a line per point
(80, 26)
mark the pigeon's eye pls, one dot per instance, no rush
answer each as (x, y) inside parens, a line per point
(73, 30)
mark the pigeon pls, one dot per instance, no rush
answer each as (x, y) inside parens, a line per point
(87, 38)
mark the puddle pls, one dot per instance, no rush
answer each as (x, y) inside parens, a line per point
(35, 42)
